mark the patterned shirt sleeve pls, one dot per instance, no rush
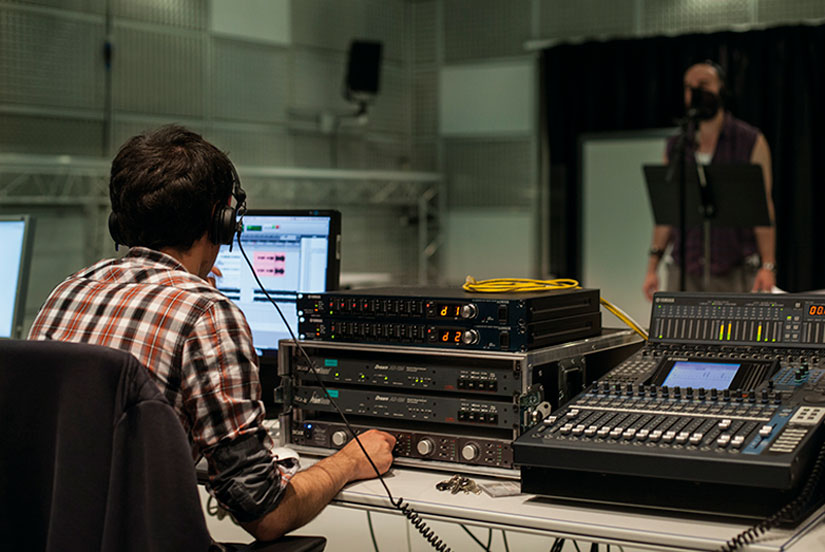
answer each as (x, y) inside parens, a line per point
(222, 399)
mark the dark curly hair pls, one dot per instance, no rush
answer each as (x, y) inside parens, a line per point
(164, 186)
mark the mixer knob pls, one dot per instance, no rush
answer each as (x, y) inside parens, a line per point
(764, 396)
(470, 337)
(677, 392)
(629, 389)
(425, 447)
(339, 438)
(469, 452)
(689, 393)
(726, 395)
(641, 389)
(664, 391)
(714, 394)
(469, 311)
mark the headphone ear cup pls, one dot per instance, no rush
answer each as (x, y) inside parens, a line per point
(223, 226)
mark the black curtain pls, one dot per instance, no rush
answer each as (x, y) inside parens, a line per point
(777, 80)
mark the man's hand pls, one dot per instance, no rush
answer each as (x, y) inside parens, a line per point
(378, 445)
(765, 280)
(650, 285)
(211, 279)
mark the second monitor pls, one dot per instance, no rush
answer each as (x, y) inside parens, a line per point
(291, 251)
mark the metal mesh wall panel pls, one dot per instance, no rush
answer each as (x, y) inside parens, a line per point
(425, 102)
(250, 82)
(192, 14)
(327, 24)
(56, 135)
(125, 129)
(387, 21)
(88, 6)
(785, 11)
(424, 23)
(253, 146)
(681, 16)
(391, 111)
(387, 155)
(311, 150)
(425, 155)
(318, 80)
(489, 173)
(485, 28)
(378, 241)
(64, 71)
(587, 18)
(156, 72)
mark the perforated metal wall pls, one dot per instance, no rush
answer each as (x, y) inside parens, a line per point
(50, 135)
(485, 28)
(250, 81)
(391, 250)
(681, 16)
(489, 172)
(192, 14)
(586, 18)
(388, 21)
(253, 144)
(64, 71)
(89, 6)
(158, 72)
(329, 25)
(425, 155)
(392, 109)
(425, 102)
(785, 11)
(424, 31)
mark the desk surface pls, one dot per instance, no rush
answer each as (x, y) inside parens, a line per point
(527, 513)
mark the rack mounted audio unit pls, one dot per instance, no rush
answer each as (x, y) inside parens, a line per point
(448, 317)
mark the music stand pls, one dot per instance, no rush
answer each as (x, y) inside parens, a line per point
(733, 196)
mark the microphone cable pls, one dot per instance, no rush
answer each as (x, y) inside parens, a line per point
(398, 503)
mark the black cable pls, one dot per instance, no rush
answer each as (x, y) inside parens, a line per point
(794, 510)
(577, 546)
(594, 547)
(398, 503)
(504, 538)
(372, 532)
(489, 537)
(481, 544)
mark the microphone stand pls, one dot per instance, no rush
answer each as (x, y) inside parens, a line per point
(680, 160)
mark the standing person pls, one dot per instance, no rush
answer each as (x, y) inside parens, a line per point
(741, 259)
(171, 194)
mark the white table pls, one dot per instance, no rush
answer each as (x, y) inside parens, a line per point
(529, 514)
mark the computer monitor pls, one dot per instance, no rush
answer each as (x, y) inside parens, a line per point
(292, 252)
(15, 257)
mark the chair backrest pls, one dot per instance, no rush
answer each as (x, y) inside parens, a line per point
(92, 456)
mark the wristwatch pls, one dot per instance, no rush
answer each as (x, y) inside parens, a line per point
(656, 252)
(769, 266)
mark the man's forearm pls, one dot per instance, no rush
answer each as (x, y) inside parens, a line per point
(766, 243)
(660, 240)
(307, 494)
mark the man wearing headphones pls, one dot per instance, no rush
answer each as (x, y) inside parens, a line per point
(171, 194)
(718, 138)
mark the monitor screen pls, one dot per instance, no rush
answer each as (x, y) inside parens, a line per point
(292, 252)
(710, 375)
(15, 252)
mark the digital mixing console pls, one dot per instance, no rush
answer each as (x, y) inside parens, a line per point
(721, 412)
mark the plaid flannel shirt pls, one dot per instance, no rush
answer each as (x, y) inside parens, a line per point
(198, 346)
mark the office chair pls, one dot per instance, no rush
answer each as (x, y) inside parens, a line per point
(93, 457)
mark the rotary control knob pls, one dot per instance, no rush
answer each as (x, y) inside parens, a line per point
(469, 311)
(425, 447)
(470, 337)
(339, 438)
(469, 452)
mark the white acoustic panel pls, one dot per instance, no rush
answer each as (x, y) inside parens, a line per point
(785, 11)
(617, 219)
(685, 16)
(487, 98)
(258, 20)
(489, 243)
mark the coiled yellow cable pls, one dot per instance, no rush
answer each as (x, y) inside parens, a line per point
(519, 285)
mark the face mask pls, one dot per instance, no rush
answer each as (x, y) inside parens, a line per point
(704, 103)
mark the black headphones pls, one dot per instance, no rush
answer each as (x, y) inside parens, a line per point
(225, 222)
(224, 225)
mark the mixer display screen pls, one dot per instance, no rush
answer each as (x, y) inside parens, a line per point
(710, 375)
